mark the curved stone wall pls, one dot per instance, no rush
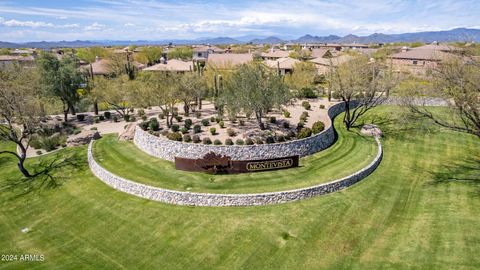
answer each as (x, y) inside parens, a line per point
(210, 199)
(164, 148)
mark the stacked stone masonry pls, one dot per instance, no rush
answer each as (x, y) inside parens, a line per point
(210, 199)
(164, 148)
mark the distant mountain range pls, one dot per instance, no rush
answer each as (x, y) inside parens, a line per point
(457, 34)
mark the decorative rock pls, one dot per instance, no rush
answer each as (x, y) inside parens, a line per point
(83, 137)
(371, 130)
(129, 133)
(25, 230)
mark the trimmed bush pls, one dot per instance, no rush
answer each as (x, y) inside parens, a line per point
(304, 133)
(258, 140)
(197, 129)
(270, 139)
(306, 105)
(280, 138)
(107, 115)
(188, 123)
(38, 152)
(175, 127)
(307, 92)
(175, 136)
(96, 120)
(242, 122)
(231, 132)
(187, 138)
(81, 117)
(178, 118)
(221, 124)
(198, 115)
(322, 106)
(213, 131)
(300, 125)
(196, 139)
(228, 141)
(286, 124)
(205, 122)
(144, 125)
(290, 135)
(217, 142)
(144, 117)
(286, 114)
(249, 141)
(218, 119)
(140, 112)
(212, 119)
(239, 142)
(273, 120)
(318, 127)
(154, 125)
(206, 140)
(184, 130)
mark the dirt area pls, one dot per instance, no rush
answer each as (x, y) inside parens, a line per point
(243, 127)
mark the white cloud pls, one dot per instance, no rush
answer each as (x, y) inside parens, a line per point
(15, 23)
(129, 25)
(95, 27)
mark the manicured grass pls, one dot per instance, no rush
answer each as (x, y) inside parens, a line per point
(350, 153)
(420, 209)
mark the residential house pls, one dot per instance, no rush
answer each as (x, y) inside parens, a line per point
(418, 60)
(27, 61)
(323, 65)
(228, 60)
(172, 65)
(201, 53)
(283, 65)
(274, 54)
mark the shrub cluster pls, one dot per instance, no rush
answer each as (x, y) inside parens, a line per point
(197, 129)
(306, 105)
(239, 142)
(107, 115)
(175, 136)
(187, 138)
(304, 133)
(196, 138)
(175, 127)
(217, 142)
(213, 131)
(206, 140)
(205, 122)
(318, 127)
(188, 123)
(286, 114)
(228, 141)
(231, 132)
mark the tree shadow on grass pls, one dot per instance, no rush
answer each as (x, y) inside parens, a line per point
(465, 171)
(49, 173)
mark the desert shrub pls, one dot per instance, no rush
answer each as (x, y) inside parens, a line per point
(273, 120)
(249, 141)
(198, 114)
(280, 138)
(38, 152)
(144, 125)
(231, 132)
(322, 106)
(290, 135)
(217, 142)
(218, 119)
(318, 127)
(305, 114)
(144, 117)
(107, 114)
(228, 141)
(212, 119)
(196, 138)
(304, 117)
(101, 118)
(164, 133)
(188, 123)
(286, 124)
(126, 117)
(286, 114)
(96, 120)
(81, 117)
(48, 143)
(161, 116)
(306, 105)
(175, 113)
(140, 112)
(115, 119)
(187, 138)
(175, 136)
(197, 129)
(304, 133)
(300, 125)
(205, 122)
(132, 118)
(221, 124)
(184, 130)
(270, 139)
(175, 127)
(307, 92)
(206, 140)
(154, 125)
(178, 118)
(258, 140)
(241, 122)
(213, 131)
(239, 142)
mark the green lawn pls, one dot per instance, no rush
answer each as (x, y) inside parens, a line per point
(350, 153)
(420, 209)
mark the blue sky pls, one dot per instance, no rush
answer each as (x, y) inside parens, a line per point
(34, 20)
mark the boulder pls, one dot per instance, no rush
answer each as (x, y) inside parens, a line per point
(129, 133)
(371, 130)
(83, 137)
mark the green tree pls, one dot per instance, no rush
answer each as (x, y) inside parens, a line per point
(61, 79)
(192, 89)
(183, 53)
(254, 88)
(118, 93)
(19, 111)
(303, 76)
(89, 54)
(149, 55)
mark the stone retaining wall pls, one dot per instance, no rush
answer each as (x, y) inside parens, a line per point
(164, 148)
(209, 199)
